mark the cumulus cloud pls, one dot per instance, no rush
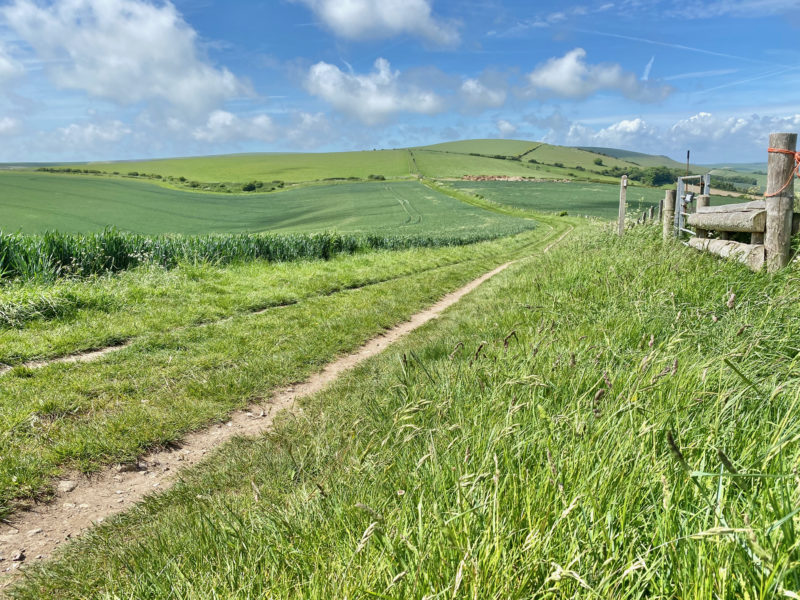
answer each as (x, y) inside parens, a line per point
(371, 19)
(372, 98)
(223, 126)
(126, 51)
(477, 95)
(571, 77)
(624, 134)
(505, 128)
(91, 135)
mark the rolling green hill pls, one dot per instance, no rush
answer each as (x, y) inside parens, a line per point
(450, 159)
(269, 167)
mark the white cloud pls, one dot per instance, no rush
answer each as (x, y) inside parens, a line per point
(477, 95)
(506, 129)
(91, 135)
(371, 19)
(628, 133)
(711, 138)
(223, 126)
(371, 98)
(126, 51)
(296, 130)
(9, 67)
(9, 126)
(571, 77)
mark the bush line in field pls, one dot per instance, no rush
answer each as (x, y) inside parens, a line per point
(53, 254)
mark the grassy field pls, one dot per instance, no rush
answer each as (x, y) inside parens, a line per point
(577, 198)
(605, 421)
(450, 165)
(269, 167)
(545, 154)
(38, 202)
(187, 365)
(450, 159)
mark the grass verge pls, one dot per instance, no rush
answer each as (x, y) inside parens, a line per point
(615, 419)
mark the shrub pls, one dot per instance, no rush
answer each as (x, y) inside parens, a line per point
(598, 162)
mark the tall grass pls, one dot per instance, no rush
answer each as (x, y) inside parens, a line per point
(54, 254)
(615, 420)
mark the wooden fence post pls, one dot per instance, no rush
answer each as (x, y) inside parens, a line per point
(623, 195)
(703, 201)
(651, 213)
(780, 200)
(668, 217)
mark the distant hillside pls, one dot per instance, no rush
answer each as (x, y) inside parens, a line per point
(639, 158)
(449, 160)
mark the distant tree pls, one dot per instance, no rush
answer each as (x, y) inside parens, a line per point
(598, 162)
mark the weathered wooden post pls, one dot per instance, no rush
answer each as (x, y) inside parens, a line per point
(623, 196)
(703, 201)
(651, 213)
(781, 169)
(668, 217)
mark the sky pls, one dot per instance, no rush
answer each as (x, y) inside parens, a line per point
(125, 79)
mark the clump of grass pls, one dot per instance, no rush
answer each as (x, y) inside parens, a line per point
(26, 305)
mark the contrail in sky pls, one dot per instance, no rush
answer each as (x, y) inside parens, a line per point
(670, 45)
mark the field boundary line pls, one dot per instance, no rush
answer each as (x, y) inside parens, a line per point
(82, 502)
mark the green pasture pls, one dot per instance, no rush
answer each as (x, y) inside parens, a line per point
(577, 198)
(39, 202)
(298, 167)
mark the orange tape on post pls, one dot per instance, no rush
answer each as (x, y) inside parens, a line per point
(795, 172)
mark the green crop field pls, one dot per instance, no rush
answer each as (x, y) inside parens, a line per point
(577, 198)
(268, 167)
(38, 202)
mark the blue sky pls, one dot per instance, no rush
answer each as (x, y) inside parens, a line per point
(123, 79)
